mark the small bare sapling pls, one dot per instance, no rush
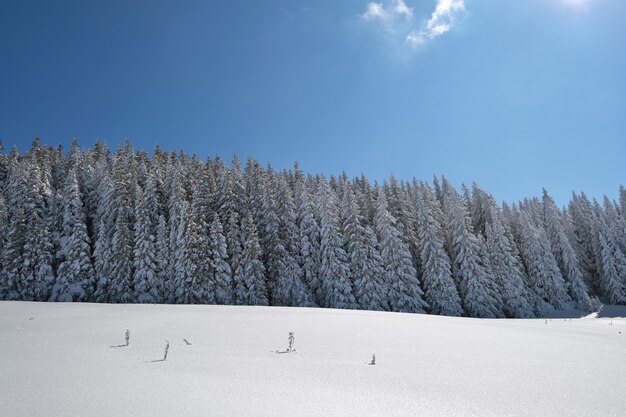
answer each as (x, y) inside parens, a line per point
(292, 339)
(167, 347)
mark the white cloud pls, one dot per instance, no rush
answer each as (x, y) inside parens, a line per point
(440, 22)
(415, 38)
(395, 9)
(443, 17)
(400, 8)
(375, 11)
(397, 17)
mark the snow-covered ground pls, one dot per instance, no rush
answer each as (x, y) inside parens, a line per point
(58, 360)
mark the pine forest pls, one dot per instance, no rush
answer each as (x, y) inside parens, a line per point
(124, 226)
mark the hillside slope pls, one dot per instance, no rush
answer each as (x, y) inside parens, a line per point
(58, 360)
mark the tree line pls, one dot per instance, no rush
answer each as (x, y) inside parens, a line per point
(125, 226)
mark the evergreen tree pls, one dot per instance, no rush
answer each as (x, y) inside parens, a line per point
(544, 274)
(309, 257)
(440, 290)
(507, 269)
(164, 279)
(184, 259)
(250, 280)
(11, 276)
(366, 264)
(222, 278)
(471, 268)
(336, 290)
(38, 258)
(612, 263)
(582, 215)
(564, 254)
(405, 294)
(76, 276)
(145, 280)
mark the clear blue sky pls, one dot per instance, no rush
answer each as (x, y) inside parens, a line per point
(515, 95)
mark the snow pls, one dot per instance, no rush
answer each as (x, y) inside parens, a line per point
(58, 360)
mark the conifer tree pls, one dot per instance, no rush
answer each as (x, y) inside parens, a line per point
(334, 268)
(471, 267)
(76, 276)
(405, 294)
(582, 215)
(145, 281)
(564, 254)
(222, 278)
(506, 268)
(164, 279)
(183, 257)
(11, 276)
(440, 290)
(612, 263)
(250, 286)
(544, 274)
(309, 257)
(366, 264)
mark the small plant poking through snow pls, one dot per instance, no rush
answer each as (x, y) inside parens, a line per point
(127, 337)
(290, 349)
(167, 347)
(373, 361)
(292, 338)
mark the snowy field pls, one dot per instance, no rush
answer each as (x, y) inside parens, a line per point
(58, 360)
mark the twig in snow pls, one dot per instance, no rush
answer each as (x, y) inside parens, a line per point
(167, 347)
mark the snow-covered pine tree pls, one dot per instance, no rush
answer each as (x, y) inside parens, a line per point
(38, 254)
(145, 280)
(471, 268)
(616, 222)
(176, 212)
(405, 294)
(334, 266)
(439, 287)
(250, 288)
(162, 247)
(184, 257)
(309, 240)
(121, 271)
(403, 211)
(564, 254)
(11, 275)
(284, 274)
(198, 244)
(582, 215)
(507, 269)
(221, 273)
(366, 264)
(544, 275)
(4, 226)
(290, 289)
(104, 229)
(76, 276)
(612, 263)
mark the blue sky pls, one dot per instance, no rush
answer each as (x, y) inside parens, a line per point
(515, 95)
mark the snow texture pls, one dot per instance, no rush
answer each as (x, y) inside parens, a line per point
(58, 360)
